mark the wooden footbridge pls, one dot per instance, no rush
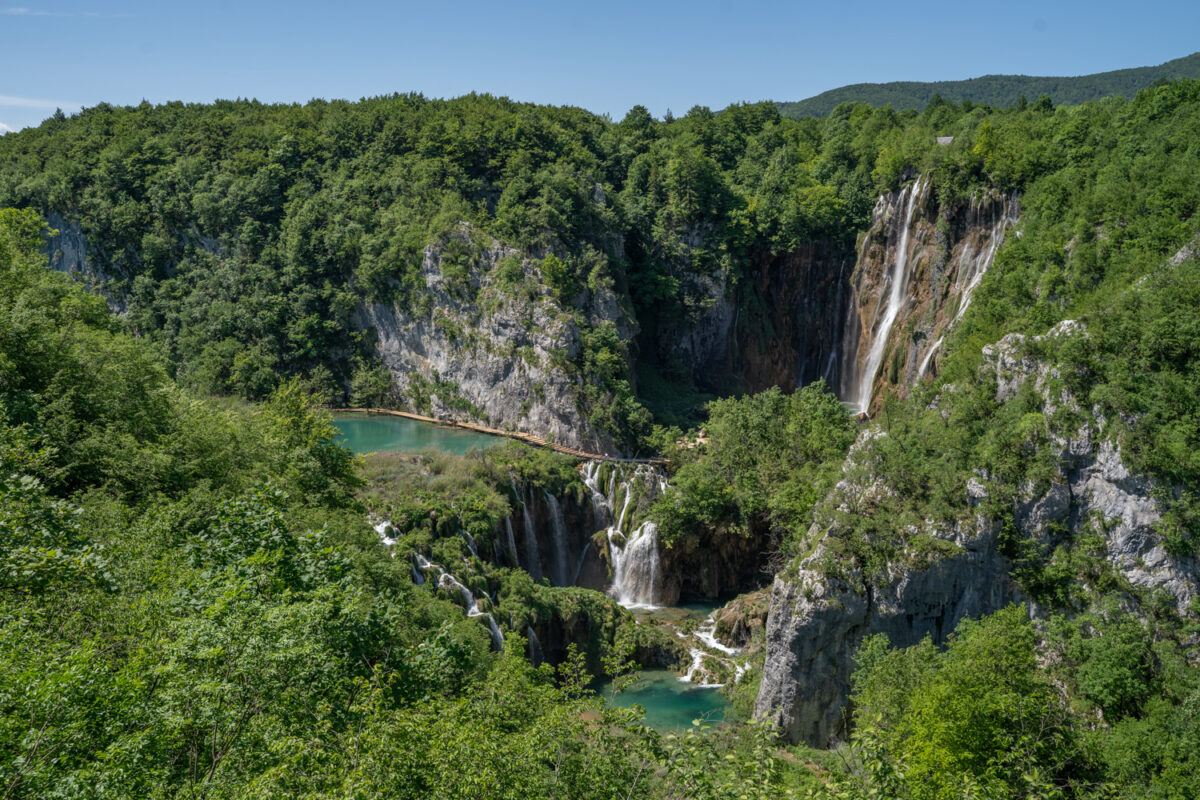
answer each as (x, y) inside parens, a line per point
(527, 438)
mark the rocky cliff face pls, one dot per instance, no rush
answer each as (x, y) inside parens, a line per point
(781, 325)
(67, 251)
(492, 346)
(918, 266)
(817, 618)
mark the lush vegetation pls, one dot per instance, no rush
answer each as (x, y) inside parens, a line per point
(997, 90)
(763, 462)
(193, 605)
(1010, 709)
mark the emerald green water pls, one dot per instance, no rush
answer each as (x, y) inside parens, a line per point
(370, 433)
(671, 704)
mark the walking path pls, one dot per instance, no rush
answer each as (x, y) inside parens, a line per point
(528, 438)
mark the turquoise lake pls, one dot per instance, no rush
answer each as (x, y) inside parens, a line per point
(371, 433)
(670, 704)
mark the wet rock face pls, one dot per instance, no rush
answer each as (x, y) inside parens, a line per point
(481, 350)
(945, 251)
(714, 565)
(781, 325)
(817, 620)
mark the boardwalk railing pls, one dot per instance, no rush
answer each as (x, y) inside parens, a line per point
(528, 438)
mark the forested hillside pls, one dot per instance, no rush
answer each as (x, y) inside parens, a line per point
(193, 604)
(996, 562)
(997, 90)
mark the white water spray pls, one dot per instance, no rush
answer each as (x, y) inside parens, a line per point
(558, 530)
(634, 557)
(896, 300)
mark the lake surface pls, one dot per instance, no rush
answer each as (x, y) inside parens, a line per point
(371, 433)
(671, 704)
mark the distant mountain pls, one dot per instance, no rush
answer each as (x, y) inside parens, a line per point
(997, 90)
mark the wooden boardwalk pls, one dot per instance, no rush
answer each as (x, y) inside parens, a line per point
(527, 438)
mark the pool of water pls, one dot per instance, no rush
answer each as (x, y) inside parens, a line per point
(370, 433)
(671, 704)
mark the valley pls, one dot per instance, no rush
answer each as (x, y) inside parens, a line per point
(858, 452)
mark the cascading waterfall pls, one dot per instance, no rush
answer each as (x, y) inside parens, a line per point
(929, 357)
(383, 529)
(972, 265)
(898, 281)
(511, 542)
(536, 656)
(705, 633)
(634, 557)
(533, 558)
(636, 573)
(969, 280)
(446, 580)
(558, 530)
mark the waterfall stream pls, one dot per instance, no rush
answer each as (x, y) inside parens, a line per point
(558, 532)
(634, 556)
(421, 565)
(533, 558)
(897, 297)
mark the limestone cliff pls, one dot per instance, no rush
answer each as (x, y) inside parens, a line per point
(492, 345)
(780, 324)
(918, 266)
(819, 615)
(68, 251)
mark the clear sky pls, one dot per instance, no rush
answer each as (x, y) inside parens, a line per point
(603, 56)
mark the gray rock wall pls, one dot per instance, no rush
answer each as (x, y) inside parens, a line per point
(816, 621)
(502, 352)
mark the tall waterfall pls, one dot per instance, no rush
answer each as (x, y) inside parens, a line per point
(634, 556)
(897, 297)
(918, 269)
(968, 279)
(558, 530)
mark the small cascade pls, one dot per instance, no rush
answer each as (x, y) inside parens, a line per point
(897, 297)
(705, 634)
(383, 529)
(446, 580)
(533, 558)
(511, 542)
(471, 543)
(536, 656)
(558, 530)
(929, 357)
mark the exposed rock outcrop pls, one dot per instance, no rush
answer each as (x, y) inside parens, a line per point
(67, 251)
(928, 258)
(818, 616)
(490, 344)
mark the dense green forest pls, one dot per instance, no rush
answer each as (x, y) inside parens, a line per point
(997, 90)
(195, 605)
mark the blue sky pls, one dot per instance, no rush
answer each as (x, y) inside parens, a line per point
(605, 57)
